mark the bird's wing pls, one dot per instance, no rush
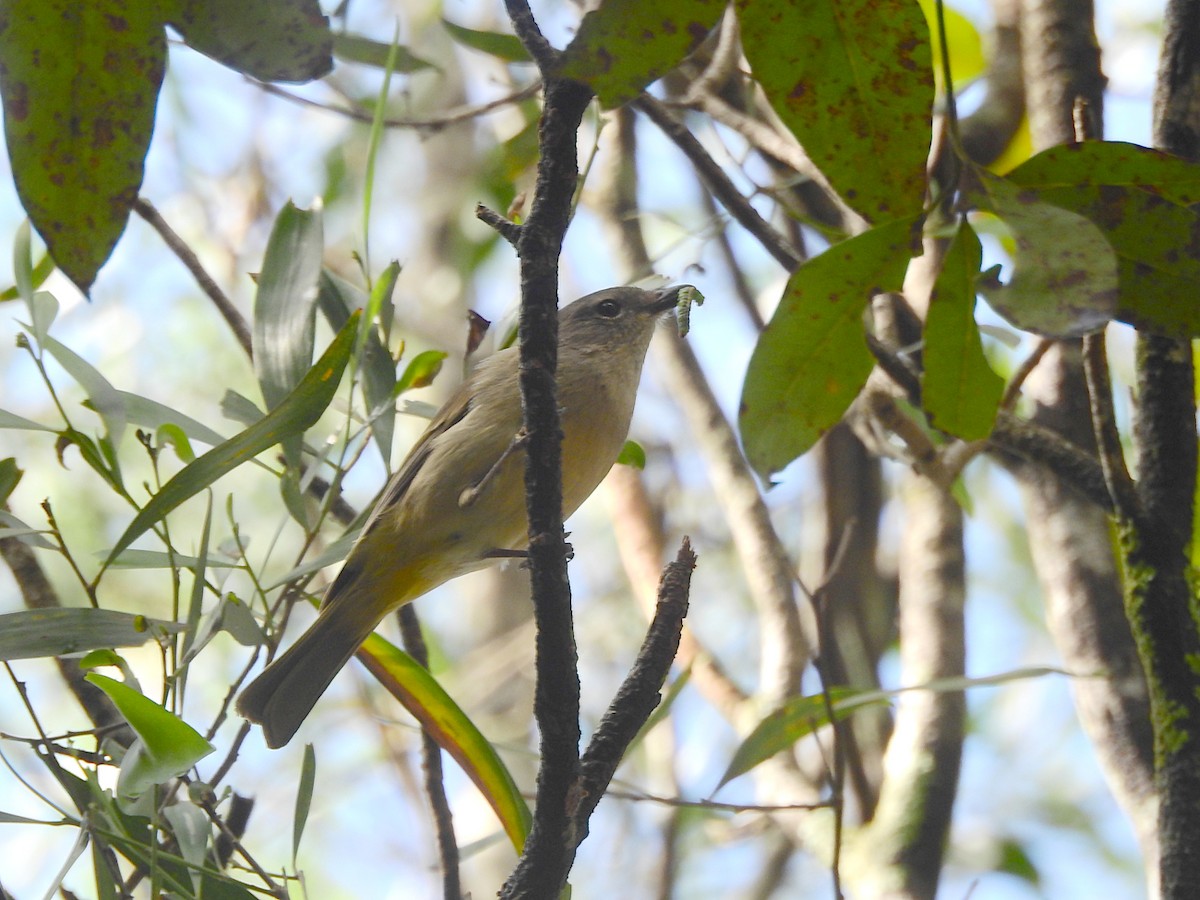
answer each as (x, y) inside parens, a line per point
(453, 411)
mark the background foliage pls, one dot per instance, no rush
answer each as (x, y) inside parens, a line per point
(184, 514)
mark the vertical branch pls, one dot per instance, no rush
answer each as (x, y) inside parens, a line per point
(1159, 594)
(550, 848)
(906, 840)
(907, 834)
(1068, 537)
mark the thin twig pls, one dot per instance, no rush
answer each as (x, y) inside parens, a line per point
(526, 28)
(179, 247)
(1104, 424)
(718, 182)
(431, 764)
(1033, 443)
(432, 124)
(771, 142)
(1038, 445)
(639, 693)
(713, 805)
(842, 735)
(1024, 369)
(235, 842)
(737, 274)
(507, 229)
(39, 593)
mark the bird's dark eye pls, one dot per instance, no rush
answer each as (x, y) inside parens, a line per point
(610, 309)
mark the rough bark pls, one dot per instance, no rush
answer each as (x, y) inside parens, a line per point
(1069, 537)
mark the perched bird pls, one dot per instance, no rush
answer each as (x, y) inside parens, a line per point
(459, 496)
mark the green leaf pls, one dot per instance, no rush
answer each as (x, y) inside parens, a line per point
(104, 399)
(625, 45)
(632, 454)
(23, 262)
(80, 82)
(27, 277)
(379, 309)
(168, 745)
(41, 271)
(505, 165)
(853, 81)
(354, 48)
(299, 411)
(335, 552)
(238, 622)
(812, 358)
(23, 271)
(1144, 203)
(291, 495)
(196, 601)
(35, 633)
(134, 838)
(454, 732)
(271, 40)
(151, 414)
(379, 370)
(308, 778)
(10, 477)
(1014, 860)
(283, 304)
(230, 616)
(92, 454)
(94, 659)
(193, 833)
(14, 819)
(960, 391)
(507, 47)
(1194, 548)
(797, 718)
(1064, 281)
(107, 887)
(337, 298)
(420, 372)
(76, 851)
(161, 559)
(43, 310)
(20, 423)
(801, 716)
(240, 408)
(11, 526)
(1094, 164)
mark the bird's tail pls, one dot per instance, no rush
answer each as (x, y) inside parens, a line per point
(283, 695)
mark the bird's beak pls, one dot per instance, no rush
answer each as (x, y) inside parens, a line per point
(665, 298)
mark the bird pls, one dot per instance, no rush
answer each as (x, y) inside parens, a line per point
(458, 499)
